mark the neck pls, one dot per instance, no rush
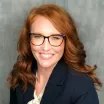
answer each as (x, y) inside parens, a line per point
(43, 74)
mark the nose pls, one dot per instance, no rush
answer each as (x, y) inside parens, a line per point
(46, 45)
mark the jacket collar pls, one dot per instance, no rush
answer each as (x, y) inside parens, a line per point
(54, 85)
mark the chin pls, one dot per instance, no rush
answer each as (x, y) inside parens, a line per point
(46, 64)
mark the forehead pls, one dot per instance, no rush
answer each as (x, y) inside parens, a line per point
(44, 26)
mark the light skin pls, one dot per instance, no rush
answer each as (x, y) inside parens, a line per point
(46, 55)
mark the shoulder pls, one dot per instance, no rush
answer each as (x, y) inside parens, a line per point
(79, 82)
(81, 88)
(80, 79)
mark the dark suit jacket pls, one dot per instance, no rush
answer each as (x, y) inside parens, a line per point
(65, 86)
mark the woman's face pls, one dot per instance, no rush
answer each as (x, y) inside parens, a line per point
(46, 55)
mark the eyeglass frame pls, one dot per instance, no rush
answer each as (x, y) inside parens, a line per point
(62, 35)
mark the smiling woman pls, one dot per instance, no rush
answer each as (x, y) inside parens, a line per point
(50, 67)
(49, 51)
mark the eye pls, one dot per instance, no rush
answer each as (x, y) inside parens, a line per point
(56, 37)
(36, 36)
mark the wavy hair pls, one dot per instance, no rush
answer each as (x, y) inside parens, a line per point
(74, 54)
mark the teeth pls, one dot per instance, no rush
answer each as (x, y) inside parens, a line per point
(46, 55)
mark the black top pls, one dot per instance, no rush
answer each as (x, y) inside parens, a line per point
(65, 86)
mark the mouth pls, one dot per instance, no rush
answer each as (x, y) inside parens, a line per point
(46, 56)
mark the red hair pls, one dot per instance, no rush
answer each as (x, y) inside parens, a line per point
(74, 54)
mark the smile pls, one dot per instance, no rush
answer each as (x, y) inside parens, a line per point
(46, 56)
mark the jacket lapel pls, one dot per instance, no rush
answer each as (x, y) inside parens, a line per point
(28, 94)
(55, 83)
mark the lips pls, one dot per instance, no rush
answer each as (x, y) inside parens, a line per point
(46, 56)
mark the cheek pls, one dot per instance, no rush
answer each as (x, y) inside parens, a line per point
(59, 50)
(34, 48)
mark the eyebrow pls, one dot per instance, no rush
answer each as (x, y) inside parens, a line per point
(44, 35)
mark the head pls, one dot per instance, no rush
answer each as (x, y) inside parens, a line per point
(47, 20)
(46, 42)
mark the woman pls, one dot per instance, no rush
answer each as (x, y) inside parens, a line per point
(50, 67)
